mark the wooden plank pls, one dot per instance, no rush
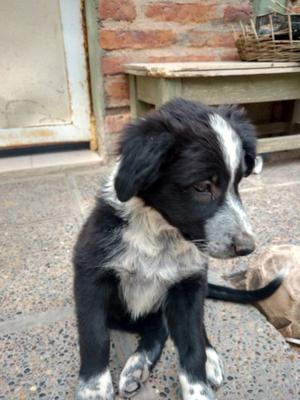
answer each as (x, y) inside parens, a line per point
(168, 89)
(96, 78)
(137, 107)
(279, 143)
(211, 73)
(272, 128)
(157, 91)
(147, 89)
(242, 89)
(192, 69)
(215, 65)
(133, 96)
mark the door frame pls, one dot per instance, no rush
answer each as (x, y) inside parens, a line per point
(80, 129)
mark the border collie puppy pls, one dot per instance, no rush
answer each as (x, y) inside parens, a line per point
(141, 259)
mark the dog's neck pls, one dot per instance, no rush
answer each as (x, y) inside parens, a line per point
(147, 229)
(154, 253)
(144, 222)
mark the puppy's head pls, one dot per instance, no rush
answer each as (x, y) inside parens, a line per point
(186, 160)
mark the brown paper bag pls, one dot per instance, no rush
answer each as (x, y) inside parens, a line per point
(283, 307)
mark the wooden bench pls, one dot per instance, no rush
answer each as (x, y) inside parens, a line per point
(214, 83)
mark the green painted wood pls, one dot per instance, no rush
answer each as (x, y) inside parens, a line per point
(210, 68)
(138, 108)
(157, 91)
(97, 87)
(147, 89)
(168, 89)
(279, 143)
(242, 89)
(272, 128)
(133, 96)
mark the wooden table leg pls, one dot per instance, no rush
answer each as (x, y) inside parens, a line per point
(168, 89)
(137, 107)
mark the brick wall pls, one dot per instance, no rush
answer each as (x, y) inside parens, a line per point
(161, 31)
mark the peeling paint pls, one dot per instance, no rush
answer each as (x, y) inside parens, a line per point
(40, 133)
(93, 140)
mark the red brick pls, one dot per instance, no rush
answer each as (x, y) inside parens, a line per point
(182, 12)
(122, 39)
(296, 9)
(113, 64)
(241, 12)
(116, 91)
(116, 122)
(229, 55)
(117, 10)
(211, 39)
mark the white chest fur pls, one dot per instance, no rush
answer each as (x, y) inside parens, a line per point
(155, 258)
(156, 255)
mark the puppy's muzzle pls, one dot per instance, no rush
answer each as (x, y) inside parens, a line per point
(243, 244)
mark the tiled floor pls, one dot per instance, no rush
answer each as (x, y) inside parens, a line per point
(40, 215)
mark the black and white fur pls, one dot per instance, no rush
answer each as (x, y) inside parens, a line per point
(141, 259)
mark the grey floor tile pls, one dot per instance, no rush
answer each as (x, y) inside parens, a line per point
(275, 214)
(34, 200)
(255, 357)
(283, 172)
(35, 266)
(88, 187)
(43, 362)
(40, 363)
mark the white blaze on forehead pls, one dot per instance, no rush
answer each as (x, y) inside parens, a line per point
(229, 141)
(239, 212)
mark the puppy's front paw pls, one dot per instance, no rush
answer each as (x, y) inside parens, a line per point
(134, 374)
(195, 390)
(99, 387)
(214, 368)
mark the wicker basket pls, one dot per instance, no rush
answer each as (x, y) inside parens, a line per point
(271, 47)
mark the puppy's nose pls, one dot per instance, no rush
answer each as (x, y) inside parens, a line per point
(244, 244)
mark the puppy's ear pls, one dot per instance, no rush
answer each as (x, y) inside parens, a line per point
(144, 148)
(237, 117)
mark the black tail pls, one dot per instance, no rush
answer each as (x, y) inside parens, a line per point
(244, 296)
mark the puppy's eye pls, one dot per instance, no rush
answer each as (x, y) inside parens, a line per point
(204, 191)
(203, 187)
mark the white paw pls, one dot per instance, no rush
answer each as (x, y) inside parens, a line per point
(195, 390)
(99, 387)
(214, 368)
(259, 165)
(134, 374)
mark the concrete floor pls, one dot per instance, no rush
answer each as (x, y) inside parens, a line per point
(41, 214)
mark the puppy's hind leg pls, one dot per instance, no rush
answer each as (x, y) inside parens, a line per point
(138, 367)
